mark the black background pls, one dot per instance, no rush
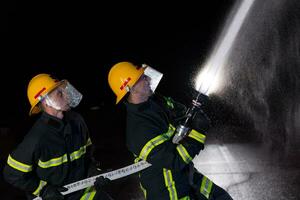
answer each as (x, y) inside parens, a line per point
(81, 41)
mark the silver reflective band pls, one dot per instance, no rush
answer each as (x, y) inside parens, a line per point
(116, 174)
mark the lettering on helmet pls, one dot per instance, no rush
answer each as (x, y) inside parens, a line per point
(39, 93)
(125, 83)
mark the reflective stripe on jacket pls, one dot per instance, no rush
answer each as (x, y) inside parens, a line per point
(53, 152)
(149, 137)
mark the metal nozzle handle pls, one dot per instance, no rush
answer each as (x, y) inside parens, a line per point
(180, 132)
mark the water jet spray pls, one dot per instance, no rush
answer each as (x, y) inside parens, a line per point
(207, 80)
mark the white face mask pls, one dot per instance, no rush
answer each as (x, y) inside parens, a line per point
(63, 97)
(155, 76)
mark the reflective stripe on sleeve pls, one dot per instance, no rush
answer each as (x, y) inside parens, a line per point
(206, 186)
(183, 153)
(39, 188)
(89, 194)
(197, 136)
(185, 198)
(64, 158)
(169, 183)
(144, 191)
(89, 142)
(149, 146)
(18, 165)
(53, 162)
(77, 154)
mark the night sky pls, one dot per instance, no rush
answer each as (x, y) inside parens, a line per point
(81, 41)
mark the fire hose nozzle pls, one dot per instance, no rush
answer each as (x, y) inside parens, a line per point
(180, 132)
(183, 129)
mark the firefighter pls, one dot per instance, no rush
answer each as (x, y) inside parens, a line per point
(150, 127)
(57, 149)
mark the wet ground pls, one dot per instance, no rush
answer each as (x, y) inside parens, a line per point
(247, 172)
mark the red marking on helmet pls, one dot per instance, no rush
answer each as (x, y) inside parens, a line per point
(125, 83)
(40, 92)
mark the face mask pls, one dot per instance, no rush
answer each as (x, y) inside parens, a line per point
(154, 75)
(63, 97)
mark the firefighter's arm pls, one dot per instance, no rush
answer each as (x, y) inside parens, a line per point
(193, 143)
(89, 155)
(177, 156)
(19, 169)
(90, 160)
(161, 152)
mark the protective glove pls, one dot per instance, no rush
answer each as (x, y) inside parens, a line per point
(101, 183)
(51, 192)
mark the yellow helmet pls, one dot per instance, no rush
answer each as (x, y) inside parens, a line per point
(123, 75)
(38, 87)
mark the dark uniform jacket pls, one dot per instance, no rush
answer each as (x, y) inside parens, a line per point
(149, 137)
(53, 152)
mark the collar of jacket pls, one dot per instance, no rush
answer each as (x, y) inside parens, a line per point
(52, 121)
(137, 107)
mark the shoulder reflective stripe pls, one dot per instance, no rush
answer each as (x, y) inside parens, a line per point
(53, 162)
(60, 160)
(206, 186)
(155, 142)
(150, 145)
(169, 183)
(183, 153)
(39, 188)
(77, 154)
(197, 136)
(89, 194)
(89, 142)
(18, 165)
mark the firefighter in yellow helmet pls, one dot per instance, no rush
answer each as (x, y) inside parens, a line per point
(57, 149)
(151, 119)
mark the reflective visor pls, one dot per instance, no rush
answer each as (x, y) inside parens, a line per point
(155, 76)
